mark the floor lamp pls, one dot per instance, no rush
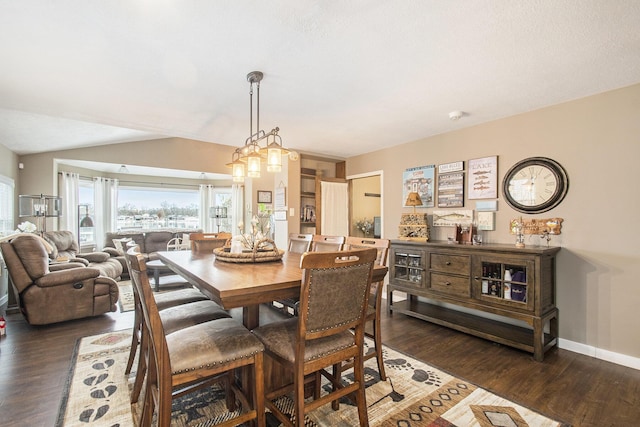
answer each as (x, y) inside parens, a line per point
(218, 213)
(83, 222)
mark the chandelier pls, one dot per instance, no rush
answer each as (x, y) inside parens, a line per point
(246, 160)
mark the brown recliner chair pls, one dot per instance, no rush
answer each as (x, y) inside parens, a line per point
(65, 246)
(58, 292)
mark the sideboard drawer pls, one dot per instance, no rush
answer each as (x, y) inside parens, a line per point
(450, 263)
(452, 285)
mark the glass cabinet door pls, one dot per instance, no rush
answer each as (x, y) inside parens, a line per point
(505, 281)
(408, 266)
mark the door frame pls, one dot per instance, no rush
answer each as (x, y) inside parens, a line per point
(380, 174)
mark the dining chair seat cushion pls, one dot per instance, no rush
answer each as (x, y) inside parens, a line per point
(183, 316)
(280, 338)
(211, 344)
(180, 296)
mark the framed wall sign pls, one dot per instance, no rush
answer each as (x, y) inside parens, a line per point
(265, 197)
(483, 178)
(451, 190)
(421, 181)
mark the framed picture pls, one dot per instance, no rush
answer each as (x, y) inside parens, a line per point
(483, 178)
(419, 180)
(451, 190)
(265, 196)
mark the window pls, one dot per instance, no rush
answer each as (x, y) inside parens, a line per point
(85, 202)
(6, 205)
(222, 197)
(153, 208)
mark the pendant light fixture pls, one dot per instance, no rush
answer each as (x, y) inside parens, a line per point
(246, 160)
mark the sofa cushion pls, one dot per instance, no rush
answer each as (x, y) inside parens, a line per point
(95, 256)
(64, 244)
(33, 255)
(157, 241)
(136, 235)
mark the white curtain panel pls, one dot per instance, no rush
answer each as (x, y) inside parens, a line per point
(70, 194)
(335, 208)
(206, 201)
(237, 207)
(105, 195)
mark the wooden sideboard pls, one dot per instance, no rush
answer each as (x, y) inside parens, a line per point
(473, 277)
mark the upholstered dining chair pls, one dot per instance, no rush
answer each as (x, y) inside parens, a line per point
(333, 301)
(178, 309)
(193, 357)
(322, 243)
(298, 244)
(375, 298)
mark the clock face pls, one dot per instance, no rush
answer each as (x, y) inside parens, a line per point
(535, 185)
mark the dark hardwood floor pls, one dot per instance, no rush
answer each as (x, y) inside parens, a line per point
(34, 362)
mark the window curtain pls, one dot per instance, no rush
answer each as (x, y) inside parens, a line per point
(105, 194)
(206, 201)
(70, 195)
(237, 207)
(334, 220)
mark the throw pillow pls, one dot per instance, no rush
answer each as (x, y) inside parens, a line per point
(121, 244)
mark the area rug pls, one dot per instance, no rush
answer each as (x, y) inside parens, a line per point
(415, 394)
(125, 296)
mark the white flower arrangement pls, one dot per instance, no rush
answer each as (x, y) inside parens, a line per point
(365, 226)
(27, 227)
(260, 230)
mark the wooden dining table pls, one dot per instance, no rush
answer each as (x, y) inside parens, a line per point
(245, 285)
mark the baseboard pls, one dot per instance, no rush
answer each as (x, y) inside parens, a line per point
(598, 353)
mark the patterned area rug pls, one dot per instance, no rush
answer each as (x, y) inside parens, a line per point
(125, 297)
(415, 394)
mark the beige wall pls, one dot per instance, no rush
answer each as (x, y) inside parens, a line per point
(597, 140)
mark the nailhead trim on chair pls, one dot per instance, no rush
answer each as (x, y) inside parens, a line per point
(209, 365)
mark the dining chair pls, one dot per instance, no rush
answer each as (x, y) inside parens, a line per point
(322, 243)
(194, 357)
(375, 298)
(178, 309)
(333, 301)
(299, 244)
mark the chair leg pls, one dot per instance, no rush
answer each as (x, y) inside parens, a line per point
(377, 341)
(337, 374)
(258, 397)
(361, 401)
(135, 340)
(298, 400)
(142, 368)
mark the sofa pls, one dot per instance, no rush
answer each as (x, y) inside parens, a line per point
(49, 292)
(65, 248)
(149, 241)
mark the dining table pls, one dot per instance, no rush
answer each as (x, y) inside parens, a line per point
(245, 285)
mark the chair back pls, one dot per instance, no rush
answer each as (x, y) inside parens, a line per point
(322, 243)
(174, 244)
(381, 245)
(158, 350)
(207, 242)
(334, 293)
(299, 243)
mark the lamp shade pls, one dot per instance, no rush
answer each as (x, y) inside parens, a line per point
(413, 199)
(218, 212)
(39, 206)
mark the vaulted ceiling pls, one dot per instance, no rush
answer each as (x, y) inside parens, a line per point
(341, 77)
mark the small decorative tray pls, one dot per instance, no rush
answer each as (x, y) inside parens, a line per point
(253, 256)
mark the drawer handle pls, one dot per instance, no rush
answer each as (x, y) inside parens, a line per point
(448, 263)
(447, 283)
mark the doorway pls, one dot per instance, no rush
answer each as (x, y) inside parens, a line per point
(366, 207)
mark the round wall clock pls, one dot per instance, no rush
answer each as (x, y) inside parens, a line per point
(535, 185)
